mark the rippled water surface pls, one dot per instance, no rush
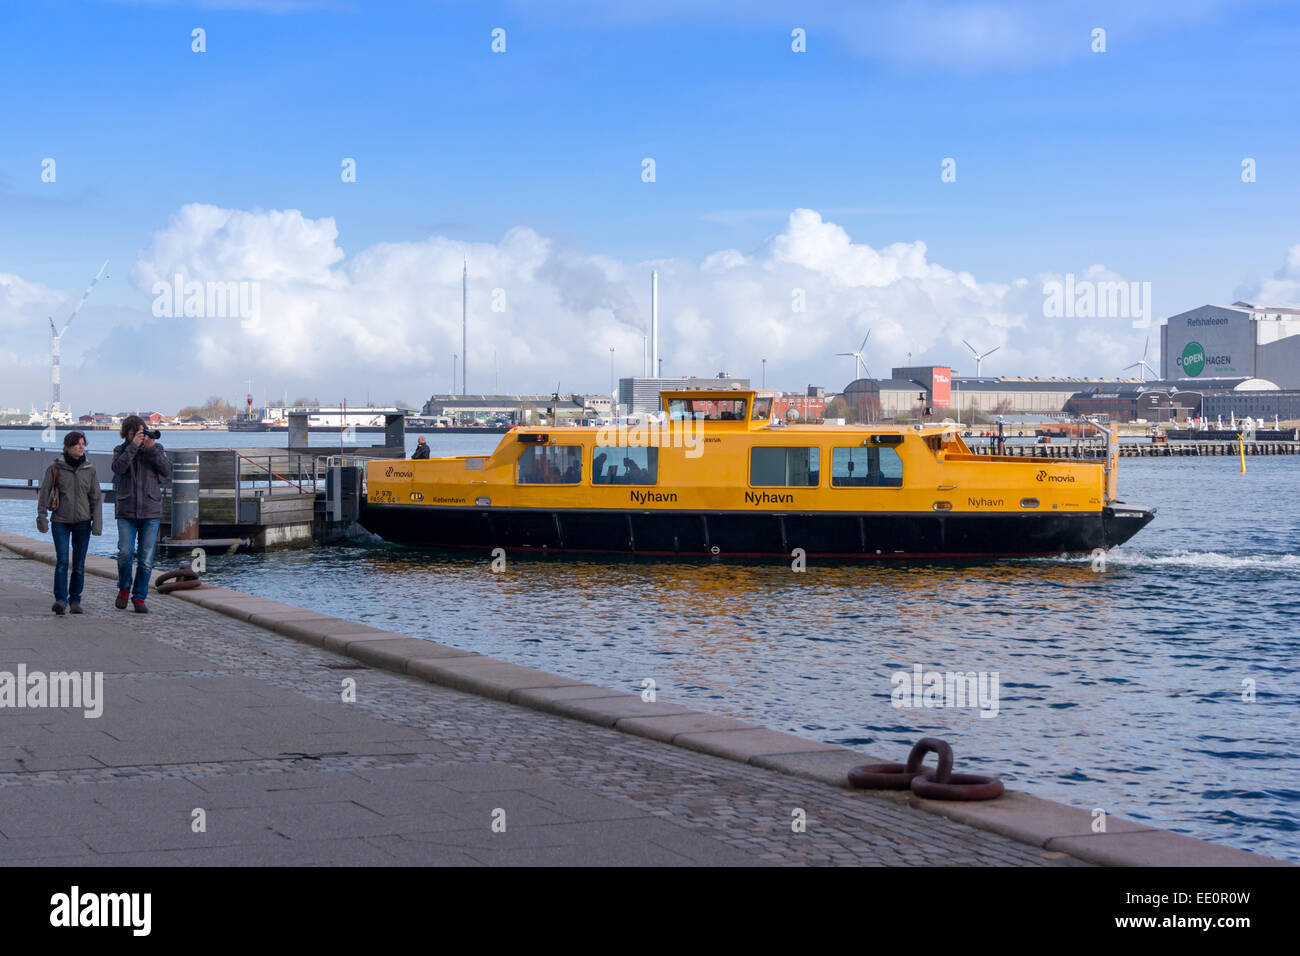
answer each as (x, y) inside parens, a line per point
(1121, 689)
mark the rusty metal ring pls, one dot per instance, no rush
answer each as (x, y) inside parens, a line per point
(180, 573)
(881, 776)
(181, 579)
(181, 585)
(916, 759)
(959, 786)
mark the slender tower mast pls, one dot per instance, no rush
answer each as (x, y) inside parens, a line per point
(654, 324)
(464, 326)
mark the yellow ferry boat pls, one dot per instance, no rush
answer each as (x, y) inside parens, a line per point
(716, 476)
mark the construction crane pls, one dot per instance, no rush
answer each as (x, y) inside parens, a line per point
(57, 415)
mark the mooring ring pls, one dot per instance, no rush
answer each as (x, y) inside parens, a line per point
(180, 580)
(916, 759)
(958, 786)
(881, 776)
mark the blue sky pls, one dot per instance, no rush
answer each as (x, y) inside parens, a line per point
(1129, 159)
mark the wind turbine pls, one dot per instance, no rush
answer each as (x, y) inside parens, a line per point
(56, 338)
(1141, 364)
(979, 359)
(859, 363)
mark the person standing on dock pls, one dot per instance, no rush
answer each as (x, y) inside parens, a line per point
(70, 492)
(421, 449)
(139, 465)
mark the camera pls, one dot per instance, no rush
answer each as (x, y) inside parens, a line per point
(154, 434)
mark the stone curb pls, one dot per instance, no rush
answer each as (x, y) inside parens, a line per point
(1052, 826)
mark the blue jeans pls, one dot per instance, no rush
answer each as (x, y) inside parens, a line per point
(127, 531)
(79, 536)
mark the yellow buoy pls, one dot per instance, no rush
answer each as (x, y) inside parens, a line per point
(1241, 445)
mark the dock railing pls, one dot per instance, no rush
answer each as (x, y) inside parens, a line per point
(277, 470)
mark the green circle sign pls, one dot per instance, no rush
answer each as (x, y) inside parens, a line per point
(1193, 360)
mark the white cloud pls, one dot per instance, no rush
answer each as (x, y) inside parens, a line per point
(1284, 285)
(394, 309)
(925, 35)
(387, 319)
(1009, 34)
(24, 304)
(25, 311)
(251, 6)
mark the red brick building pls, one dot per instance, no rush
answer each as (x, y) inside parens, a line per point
(805, 408)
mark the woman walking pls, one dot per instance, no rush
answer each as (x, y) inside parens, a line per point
(70, 492)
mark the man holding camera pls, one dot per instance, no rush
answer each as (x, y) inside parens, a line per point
(139, 466)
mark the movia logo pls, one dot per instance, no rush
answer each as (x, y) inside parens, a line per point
(1192, 361)
(1044, 476)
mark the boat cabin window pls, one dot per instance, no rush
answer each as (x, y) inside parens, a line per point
(707, 409)
(550, 465)
(798, 467)
(624, 465)
(762, 409)
(874, 467)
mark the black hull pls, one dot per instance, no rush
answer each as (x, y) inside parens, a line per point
(754, 534)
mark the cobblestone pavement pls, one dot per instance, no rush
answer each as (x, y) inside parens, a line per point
(203, 712)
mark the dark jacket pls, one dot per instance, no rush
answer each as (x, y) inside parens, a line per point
(79, 496)
(137, 479)
(421, 451)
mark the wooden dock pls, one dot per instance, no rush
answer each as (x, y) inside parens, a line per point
(248, 498)
(256, 498)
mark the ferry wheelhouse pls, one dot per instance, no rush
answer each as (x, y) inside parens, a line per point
(714, 475)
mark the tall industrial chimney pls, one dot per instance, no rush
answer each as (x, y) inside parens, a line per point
(464, 326)
(654, 323)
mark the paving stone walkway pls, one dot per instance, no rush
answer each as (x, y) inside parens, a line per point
(204, 712)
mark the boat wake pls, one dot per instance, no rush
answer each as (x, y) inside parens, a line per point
(1287, 563)
(355, 534)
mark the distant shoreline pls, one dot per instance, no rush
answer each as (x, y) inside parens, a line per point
(318, 429)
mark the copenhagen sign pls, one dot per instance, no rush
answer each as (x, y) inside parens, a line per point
(1193, 360)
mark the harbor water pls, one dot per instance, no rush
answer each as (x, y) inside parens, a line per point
(1159, 686)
